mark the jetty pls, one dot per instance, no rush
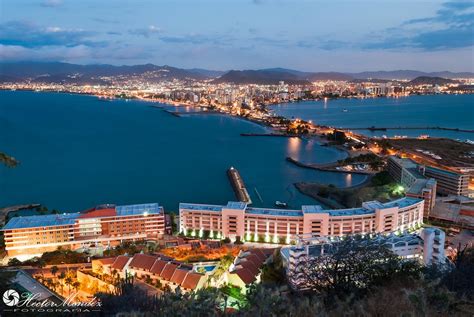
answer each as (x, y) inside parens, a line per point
(411, 128)
(272, 135)
(238, 185)
(173, 113)
(328, 167)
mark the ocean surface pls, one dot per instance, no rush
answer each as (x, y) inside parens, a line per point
(447, 111)
(76, 152)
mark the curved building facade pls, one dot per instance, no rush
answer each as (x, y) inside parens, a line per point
(237, 220)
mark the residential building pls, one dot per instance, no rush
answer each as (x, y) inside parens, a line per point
(155, 267)
(237, 220)
(247, 266)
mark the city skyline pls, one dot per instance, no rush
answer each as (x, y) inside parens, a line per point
(313, 36)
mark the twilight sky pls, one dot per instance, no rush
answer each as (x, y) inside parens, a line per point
(313, 35)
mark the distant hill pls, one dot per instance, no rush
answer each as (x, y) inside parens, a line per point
(409, 74)
(426, 80)
(274, 75)
(56, 72)
(262, 77)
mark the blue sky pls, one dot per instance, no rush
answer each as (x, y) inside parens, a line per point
(316, 35)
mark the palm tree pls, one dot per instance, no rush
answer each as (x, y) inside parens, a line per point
(54, 270)
(76, 285)
(61, 277)
(68, 280)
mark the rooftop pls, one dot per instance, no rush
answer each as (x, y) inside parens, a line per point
(274, 212)
(41, 221)
(441, 171)
(367, 208)
(402, 202)
(200, 207)
(236, 205)
(131, 210)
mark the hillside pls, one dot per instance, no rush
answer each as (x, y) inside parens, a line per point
(426, 80)
(262, 77)
(56, 72)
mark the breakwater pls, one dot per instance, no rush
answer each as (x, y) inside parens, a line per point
(329, 167)
(272, 135)
(411, 128)
(238, 185)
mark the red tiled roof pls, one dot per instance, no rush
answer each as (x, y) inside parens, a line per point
(249, 266)
(192, 280)
(178, 276)
(108, 212)
(168, 271)
(245, 275)
(142, 261)
(120, 262)
(257, 262)
(158, 266)
(258, 253)
(106, 261)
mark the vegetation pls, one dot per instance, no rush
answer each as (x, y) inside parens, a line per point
(381, 188)
(273, 273)
(60, 256)
(129, 248)
(202, 253)
(354, 266)
(374, 161)
(338, 137)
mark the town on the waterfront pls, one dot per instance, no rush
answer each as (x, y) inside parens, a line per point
(297, 159)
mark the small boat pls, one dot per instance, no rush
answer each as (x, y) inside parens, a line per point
(281, 204)
(344, 110)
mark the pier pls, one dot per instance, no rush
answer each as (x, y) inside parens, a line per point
(238, 185)
(411, 128)
(328, 167)
(272, 134)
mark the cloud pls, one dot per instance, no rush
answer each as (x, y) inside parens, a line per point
(146, 32)
(451, 27)
(71, 54)
(51, 3)
(25, 34)
(196, 39)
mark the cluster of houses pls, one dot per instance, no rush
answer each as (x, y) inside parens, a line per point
(246, 267)
(156, 267)
(244, 270)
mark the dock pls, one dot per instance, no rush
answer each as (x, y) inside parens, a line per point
(238, 185)
(328, 167)
(272, 135)
(373, 128)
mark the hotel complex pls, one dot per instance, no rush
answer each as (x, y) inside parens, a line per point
(105, 225)
(237, 220)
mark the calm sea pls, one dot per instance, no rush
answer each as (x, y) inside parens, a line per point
(448, 111)
(77, 152)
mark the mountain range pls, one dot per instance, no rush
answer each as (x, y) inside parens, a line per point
(56, 72)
